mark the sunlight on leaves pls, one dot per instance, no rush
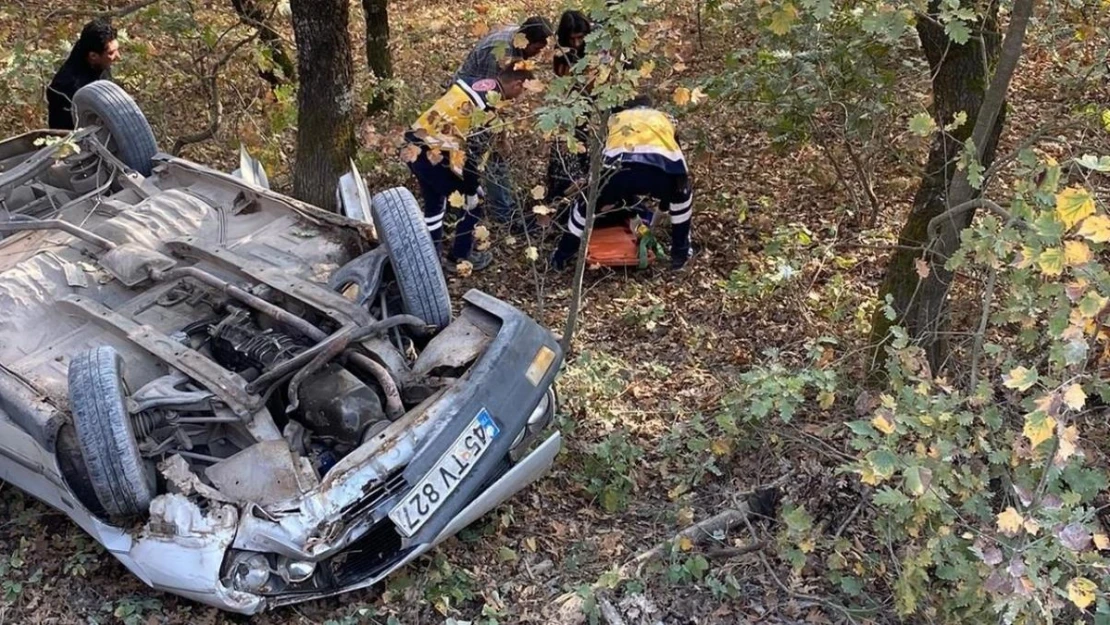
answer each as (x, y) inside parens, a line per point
(1073, 205)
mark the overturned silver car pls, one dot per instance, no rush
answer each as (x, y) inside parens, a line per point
(247, 400)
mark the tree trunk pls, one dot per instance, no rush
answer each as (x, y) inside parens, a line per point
(378, 57)
(960, 81)
(325, 99)
(253, 14)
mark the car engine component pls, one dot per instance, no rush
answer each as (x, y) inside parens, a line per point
(239, 345)
(338, 407)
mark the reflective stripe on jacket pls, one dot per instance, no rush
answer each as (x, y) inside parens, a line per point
(647, 136)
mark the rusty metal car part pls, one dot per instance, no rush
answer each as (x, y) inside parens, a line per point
(226, 385)
(339, 308)
(394, 408)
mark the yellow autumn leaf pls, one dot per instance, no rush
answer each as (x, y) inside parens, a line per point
(541, 209)
(1031, 526)
(720, 447)
(681, 96)
(458, 160)
(1020, 378)
(456, 199)
(1051, 261)
(782, 20)
(685, 544)
(697, 95)
(1106, 112)
(464, 268)
(1076, 253)
(520, 41)
(1038, 428)
(1073, 205)
(646, 69)
(826, 399)
(1068, 446)
(1082, 591)
(1010, 521)
(685, 517)
(1074, 397)
(530, 544)
(531, 253)
(538, 192)
(868, 476)
(1096, 228)
(1102, 543)
(883, 424)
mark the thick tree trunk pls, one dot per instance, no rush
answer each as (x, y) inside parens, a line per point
(960, 81)
(253, 14)
(378, 57)
(325, 99)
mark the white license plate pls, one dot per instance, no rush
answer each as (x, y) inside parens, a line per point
(422, 502)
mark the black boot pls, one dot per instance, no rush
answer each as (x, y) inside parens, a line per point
(680, 245)
(568, 248)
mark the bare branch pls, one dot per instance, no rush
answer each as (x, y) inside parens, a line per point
(112, 13)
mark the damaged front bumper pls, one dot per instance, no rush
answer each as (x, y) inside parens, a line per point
(337, 535)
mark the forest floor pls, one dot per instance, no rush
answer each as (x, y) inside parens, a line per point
(654, 360)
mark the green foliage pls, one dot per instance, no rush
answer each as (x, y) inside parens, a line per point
(609, 470)
(985, 494)
(447, 585)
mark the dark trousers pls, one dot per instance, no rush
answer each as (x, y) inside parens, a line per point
(437, 183)
(625, 188)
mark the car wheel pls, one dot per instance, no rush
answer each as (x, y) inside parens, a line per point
(413, 256)
(123, 483)
(127, 133)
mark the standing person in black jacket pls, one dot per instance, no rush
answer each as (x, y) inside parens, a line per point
(90, 60)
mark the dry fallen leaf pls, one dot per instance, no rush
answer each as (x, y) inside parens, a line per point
(1081, 592)
(1010, 521)
(481, 233)
(456, 199)
(410, 153)
(531, 253)
(464, 268)
(681, 96)
(922, 268)
(539, 192)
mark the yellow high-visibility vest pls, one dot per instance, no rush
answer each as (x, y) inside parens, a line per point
(647, 136)
(448, 122)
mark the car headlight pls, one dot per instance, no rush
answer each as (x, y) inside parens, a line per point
(539, 418)
(250, 572)
(294, 571)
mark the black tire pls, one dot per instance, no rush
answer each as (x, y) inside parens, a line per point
(120, 478)
(104, 103)
(413, 256)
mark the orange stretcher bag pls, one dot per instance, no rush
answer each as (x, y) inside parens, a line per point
(620, 246)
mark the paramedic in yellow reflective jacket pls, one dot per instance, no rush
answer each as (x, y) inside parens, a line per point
(446, 146)
(643, 149)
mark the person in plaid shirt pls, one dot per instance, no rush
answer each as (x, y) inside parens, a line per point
(499, 49)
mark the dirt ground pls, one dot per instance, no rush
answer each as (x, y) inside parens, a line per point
(654, 359)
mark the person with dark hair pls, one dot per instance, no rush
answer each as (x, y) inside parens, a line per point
(501, 48)
(446, 146)
(643, 153)
(564, 168)
(570, 39)
(90, 60)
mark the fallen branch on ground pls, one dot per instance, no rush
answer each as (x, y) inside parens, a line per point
(569, 610)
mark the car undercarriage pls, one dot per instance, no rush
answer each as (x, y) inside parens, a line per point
(248, 400)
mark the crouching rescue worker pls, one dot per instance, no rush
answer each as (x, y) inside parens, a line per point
(642, 147)
(453, 138)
